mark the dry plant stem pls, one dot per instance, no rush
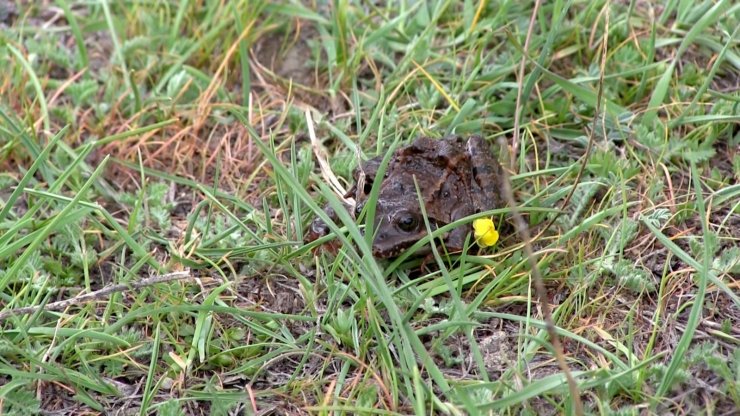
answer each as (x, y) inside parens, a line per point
(326, 171)
(517, 108)
(541, 292)
(591, 136)
(522, 227)
(524, 234)
(98, 294)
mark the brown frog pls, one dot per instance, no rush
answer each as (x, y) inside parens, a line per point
(456, 178)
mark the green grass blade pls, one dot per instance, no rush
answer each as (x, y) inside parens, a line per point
(38, 161)
(21, 261)
(705, 85)
(686, 257)
(84, 61)
(128, 75)
(661, 89)
(148, 393)
(703, 272)
(35, 83)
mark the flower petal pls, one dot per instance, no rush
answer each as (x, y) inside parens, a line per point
(485, 232)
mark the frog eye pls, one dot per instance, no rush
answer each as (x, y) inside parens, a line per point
(407, 222)
(358, 208)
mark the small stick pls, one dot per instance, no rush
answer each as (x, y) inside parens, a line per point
(98, 294)
(523, 229)
(541, 292)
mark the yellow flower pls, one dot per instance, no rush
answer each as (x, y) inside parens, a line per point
(485, 232)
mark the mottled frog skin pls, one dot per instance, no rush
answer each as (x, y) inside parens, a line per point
(456, 177)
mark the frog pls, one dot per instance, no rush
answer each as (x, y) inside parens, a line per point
(456, 177)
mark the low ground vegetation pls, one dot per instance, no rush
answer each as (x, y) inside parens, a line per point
(164, 157)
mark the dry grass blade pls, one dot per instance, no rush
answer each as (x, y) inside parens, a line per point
(326, 172)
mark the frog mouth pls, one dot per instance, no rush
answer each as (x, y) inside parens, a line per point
(392, 251)
(391, 246)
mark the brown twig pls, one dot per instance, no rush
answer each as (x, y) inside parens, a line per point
(591, 136)
(98, 294)
(522, 227)
(541, 291)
